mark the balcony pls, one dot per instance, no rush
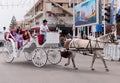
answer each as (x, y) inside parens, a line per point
(60, 1)
(28, 17)
(39, 13)
(56, 10)
(66, 20)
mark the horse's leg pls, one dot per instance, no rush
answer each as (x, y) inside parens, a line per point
(104, 63)
(94, 58)
(73, 62)
(68, 62)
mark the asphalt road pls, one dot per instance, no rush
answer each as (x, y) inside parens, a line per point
(22, 71)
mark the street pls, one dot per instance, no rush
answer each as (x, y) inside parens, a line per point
(22, 71)
(29, 24)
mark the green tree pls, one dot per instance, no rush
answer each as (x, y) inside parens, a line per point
(13, 23)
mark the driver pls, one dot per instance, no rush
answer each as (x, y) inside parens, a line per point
(44, 29)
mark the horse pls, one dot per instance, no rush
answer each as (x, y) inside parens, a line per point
(77, 43)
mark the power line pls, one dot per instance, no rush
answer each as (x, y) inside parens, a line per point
(13, 4)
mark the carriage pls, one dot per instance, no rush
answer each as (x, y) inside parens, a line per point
(34, 49)
(40, 52)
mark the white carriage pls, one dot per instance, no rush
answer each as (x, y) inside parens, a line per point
(33, 51)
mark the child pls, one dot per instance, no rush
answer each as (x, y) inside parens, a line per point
(19, 38)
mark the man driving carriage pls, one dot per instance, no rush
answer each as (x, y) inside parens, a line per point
(44, 28)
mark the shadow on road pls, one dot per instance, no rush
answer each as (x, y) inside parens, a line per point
(54, 68)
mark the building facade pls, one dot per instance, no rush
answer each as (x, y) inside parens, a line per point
(60, 15)
(91, 29)
(57, 12)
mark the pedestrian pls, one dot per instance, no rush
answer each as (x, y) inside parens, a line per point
(4, 29)
(44, 29)
(6, 33)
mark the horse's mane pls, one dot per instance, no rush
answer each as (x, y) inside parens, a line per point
(104, 38)
(67, 42)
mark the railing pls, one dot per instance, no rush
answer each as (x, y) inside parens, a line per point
(112, 52)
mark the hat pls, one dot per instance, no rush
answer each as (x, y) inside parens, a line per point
(45, 21)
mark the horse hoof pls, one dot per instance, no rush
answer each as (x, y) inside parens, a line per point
(107, 70)
(112, 60)
(76, 68)
(84, 53)
(93, 69)
(66, 64)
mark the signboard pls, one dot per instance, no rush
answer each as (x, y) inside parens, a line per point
(86, 13)
(118, 7)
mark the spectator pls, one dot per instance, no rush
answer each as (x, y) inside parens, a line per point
(6, 33)
(4, 29)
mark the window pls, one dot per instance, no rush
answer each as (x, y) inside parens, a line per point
(70, 6)
(53, 5)
(61, 4)
(61, 15)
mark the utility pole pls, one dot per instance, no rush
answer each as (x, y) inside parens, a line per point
(34, 12)
(73, 19)
(104, 18)
(44, 9)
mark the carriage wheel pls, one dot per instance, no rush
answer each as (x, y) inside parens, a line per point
(39, 57)
(8, 55)
(28, 56)
(54, 56)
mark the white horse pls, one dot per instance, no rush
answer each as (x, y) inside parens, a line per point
(87, 44)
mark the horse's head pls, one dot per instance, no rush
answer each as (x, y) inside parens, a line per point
(64, 39)
(107, 37)
(112, 37)
(66, 43)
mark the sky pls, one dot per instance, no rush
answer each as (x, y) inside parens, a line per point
(10, 8)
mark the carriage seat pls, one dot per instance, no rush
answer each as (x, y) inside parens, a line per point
(26, 36)
(40, 39)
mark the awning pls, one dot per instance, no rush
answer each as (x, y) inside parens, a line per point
(52, 25)
(65, 28)
(36, 28)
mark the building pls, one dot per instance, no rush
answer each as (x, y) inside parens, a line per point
(60, 15)
(21, 24)
(57, 12)
(91, 29)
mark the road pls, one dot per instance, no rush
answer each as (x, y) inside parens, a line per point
(22, 71)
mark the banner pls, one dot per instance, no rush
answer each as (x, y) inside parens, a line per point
(86, 13)
(118, 7)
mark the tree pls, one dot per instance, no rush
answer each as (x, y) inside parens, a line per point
(13, 23)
